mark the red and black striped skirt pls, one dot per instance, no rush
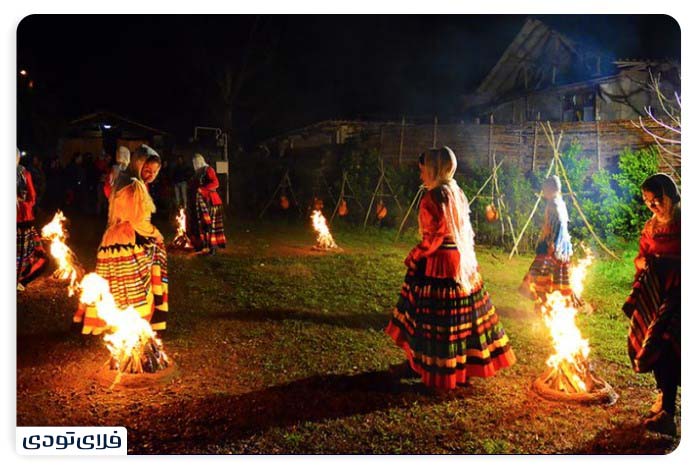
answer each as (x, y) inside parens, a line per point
(31, 256)
(654, 308)
(209, 231)
(447, 334)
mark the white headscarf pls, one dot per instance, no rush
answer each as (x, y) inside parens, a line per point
(199, 161)
(123, 156)
(444, 164)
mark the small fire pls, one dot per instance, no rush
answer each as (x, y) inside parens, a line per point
(571, 349)
(133, 345)
(68, 266)
(181, 240)
(569, 373)
(324, 239)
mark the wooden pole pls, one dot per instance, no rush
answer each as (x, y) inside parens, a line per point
(599, 150)
(486, 182)
(557, 158)
(531, 215)
(534, 149)
(435, 132)
(340, 197)
(520, 148)
(379, 184)
(401, 140)
(416, 199)
(490, 141)
(597, 118)
(582, 215)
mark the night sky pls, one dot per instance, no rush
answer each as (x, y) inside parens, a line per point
(163, 70)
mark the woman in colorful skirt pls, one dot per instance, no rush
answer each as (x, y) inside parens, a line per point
(205, 228)
(444, 319)
(654, 305)
(132, 257)
(550, 270)
(31, 256)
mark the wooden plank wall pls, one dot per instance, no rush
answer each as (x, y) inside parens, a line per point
(475, 142)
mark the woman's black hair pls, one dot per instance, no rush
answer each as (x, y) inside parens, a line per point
(154, 158)
(421, 159)
(661, 184)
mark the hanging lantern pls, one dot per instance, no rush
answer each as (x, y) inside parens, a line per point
(491, 213)
(318, 204)
(342, 207)
(284, 202)
(381, 210)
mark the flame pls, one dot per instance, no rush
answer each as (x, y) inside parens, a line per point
(577, 276)
(128, 332)
(569, 345)
(558, 312)
(67, 267)
(181, 229)
(324, 238)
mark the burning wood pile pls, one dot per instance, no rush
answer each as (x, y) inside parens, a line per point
(69, 267)
(133, 345)
(181, 240)
(325, 240)
(569, 375)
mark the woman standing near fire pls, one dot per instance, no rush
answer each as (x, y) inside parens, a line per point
(205, 227)
(132, 256)
(654, 305)
(31, 256)
(550, 270)
(444, 319)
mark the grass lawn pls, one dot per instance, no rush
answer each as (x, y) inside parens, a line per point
(280, 349)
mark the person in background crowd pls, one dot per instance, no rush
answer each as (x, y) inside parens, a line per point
(181, 174)
(102, 170)
(89, 199)
(205, 226)
(118, 174)
(55, 186)
(34, 165)
(31, 257)
(75, 177)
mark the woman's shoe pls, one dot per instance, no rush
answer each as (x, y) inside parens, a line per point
(403, 371)
(662, 422)
(657, 406)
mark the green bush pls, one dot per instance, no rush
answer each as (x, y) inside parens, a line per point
(614, 204)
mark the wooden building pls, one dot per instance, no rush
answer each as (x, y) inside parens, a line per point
(104, 132)
(541, 76)
(544, 75)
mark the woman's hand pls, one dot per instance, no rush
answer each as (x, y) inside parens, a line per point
(640, 263)
(410, 264)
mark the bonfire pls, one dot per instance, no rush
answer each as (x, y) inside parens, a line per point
(569, 375)
(133, 345)
(181, 240)
(69, 267)
(325, 240)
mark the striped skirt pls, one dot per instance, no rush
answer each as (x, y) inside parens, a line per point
(210, 231)
(546, 275)
(31, 256)
(447, 334)
(654, 308)
(137, 276)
